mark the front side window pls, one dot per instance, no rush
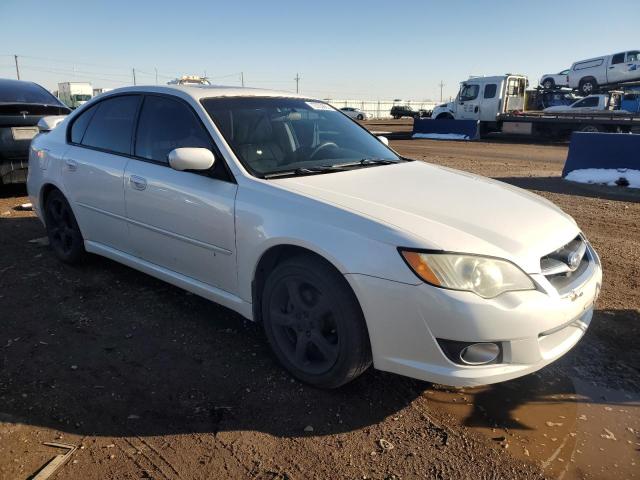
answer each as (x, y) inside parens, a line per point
(564, 72)
(271, 135)
(617, 58)
(490, 90)
(166, 124)
(469, 92)
(587, 102)
(112, 124)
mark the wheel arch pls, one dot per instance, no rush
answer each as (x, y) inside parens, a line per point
(276, 254)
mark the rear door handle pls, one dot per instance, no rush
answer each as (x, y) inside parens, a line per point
(137, 182)
(72, 165)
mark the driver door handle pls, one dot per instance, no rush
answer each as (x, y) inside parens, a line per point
(137, 182)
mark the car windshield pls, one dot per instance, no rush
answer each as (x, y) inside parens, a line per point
(25, 92)
(273, 135)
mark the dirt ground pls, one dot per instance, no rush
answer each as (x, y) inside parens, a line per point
(149, 381)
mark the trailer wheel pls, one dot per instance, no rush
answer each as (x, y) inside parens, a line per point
(587, 86)
(590, 129)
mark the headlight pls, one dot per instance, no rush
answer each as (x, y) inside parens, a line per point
(484, 276)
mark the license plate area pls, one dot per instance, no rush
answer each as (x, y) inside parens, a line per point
(24, 133)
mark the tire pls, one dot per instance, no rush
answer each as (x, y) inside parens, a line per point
(590, 129)
(64, 234)
(548, 84)
(587, 86)
(360, 117)
(314, 323)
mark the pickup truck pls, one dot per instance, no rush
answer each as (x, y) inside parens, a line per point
(593, 103)
(589, 75)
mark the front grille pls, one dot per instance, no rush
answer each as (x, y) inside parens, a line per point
(564, 267)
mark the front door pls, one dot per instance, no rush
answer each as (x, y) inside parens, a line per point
(182, 221)
(468, 107)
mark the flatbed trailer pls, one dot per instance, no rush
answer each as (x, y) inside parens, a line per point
(562, 124)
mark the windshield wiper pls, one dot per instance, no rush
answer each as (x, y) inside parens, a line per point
(306, 171)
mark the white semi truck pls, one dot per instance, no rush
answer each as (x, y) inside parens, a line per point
(74, 94)
(499, 104)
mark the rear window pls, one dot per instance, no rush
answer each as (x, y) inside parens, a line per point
(25, 92)
(490, 90)
(112, 124)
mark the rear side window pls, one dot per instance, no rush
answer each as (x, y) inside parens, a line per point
(588, 64)
(80, 124)
(166, 124)
(112, 124)
(490, 90)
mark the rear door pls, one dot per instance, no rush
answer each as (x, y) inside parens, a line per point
(182, 221)
(93, 169)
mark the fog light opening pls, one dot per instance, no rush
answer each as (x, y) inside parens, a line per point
(479, 353)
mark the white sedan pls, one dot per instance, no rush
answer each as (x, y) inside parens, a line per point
(355, 113)
(282, 209)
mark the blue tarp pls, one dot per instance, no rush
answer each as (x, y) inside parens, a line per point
(603, 150)
(468, 128)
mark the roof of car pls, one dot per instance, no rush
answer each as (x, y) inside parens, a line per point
(206, 91)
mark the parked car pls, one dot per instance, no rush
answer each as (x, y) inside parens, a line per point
(280, 208)
(355, 113)
(22, 105)
(399, 111)
(549, 81)
(588, 75)
(593, 103)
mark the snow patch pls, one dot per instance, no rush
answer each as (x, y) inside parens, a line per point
(441, 136)
(606, 176)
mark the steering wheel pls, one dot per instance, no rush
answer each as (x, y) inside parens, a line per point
(322, 147)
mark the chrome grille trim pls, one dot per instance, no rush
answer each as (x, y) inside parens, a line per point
(561, 275)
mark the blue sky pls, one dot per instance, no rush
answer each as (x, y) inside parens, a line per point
(356, 49)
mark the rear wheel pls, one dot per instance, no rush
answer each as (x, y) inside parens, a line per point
(314, 323)
(64, 234)
(590, 129)
(360, 117)
(588, 86)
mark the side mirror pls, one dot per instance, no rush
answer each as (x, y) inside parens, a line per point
(383, 139)
(46, 124)
(191, 159)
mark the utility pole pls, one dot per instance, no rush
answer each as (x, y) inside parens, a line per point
(242, 79)
(156, 75)
(297, 79)
(134, 75)
(17, 67)
(441, 84)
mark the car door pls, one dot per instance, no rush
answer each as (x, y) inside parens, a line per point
(93, 169)
(469, 102)
(182, 221)
(490, 102)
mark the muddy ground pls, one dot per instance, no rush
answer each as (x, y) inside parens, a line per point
(152, 382)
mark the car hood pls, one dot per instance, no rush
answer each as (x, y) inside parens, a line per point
(434, 207)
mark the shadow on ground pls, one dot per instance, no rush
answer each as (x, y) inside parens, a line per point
(564, 187)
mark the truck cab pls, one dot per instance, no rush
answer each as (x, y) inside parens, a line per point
(483, 98)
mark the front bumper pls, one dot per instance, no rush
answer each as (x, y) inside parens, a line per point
(533, 328)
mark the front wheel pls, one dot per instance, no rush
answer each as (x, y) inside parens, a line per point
(360, 117)
(314, 323)
(64, 234)
(548, 84)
